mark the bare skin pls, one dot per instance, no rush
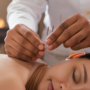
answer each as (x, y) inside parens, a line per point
(14, 74)
(67, 75)
(73, 32)
(23, 43)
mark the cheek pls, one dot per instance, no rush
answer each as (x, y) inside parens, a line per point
(62, 76)
(63, 73)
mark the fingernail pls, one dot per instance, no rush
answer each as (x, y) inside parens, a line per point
(50, 47)
(48, 41)
(34, 59)
(41, 53)
(40, 47)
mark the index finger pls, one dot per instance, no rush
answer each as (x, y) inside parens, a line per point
(28, 34)
(62, 27)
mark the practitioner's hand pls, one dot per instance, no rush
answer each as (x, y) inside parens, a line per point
(74, 33)
(23, 43)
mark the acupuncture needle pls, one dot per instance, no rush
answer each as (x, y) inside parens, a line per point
(52, 31)
(47, 33)
(52, 28)
(46, 37)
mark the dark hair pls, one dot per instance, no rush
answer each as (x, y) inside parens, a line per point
(85, 56)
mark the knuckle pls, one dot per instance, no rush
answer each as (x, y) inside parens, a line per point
(9, 32)
(28, 53)
(22, 41)
(25, 58)
(57, 43)
(76, 47)
(20, 49)
(85, 22)
(73, 48)
(63, 26)
(17, 26)
(28, 58)
(75, 40)
(32, 55)
(5, 40)
(67, 33)
(36, 51)
(17, 54)
(53, 36)
(27, 34)
(33, 49)
(36, 43)
(78, 15)
(66, 45)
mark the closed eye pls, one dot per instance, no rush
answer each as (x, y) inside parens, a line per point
(73, 77)
(76, 76)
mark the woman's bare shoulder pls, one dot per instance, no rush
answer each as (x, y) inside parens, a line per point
(9, 78)
(15, 68)
(11, 82)
(9, 60)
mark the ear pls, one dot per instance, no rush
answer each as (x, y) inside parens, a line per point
(75, 56)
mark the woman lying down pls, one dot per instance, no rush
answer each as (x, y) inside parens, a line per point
(73, 74)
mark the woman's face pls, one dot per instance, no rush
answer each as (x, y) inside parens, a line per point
(69, 75)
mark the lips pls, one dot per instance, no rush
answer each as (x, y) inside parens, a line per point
(50, 86)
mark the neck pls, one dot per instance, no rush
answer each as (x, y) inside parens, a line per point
(26, 70)
(36, 77)
(45, 80)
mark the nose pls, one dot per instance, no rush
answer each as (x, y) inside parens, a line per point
(63, 86)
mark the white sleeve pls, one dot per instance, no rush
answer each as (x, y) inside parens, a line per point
(27, 12)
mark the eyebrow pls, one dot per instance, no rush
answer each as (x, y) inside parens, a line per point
(85, 74)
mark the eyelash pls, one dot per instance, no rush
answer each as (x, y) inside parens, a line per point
(73, 77)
